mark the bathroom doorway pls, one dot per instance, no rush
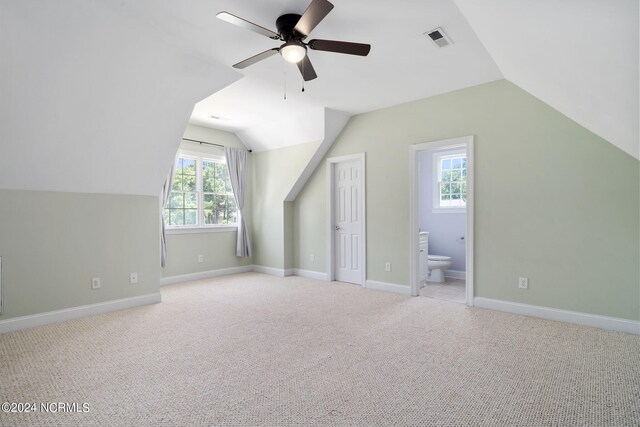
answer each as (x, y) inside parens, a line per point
(441, 219)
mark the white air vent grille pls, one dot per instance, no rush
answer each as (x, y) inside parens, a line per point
(438, 37)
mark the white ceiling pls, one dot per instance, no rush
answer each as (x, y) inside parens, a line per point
(88, 88)
(92, 98)
(579, 56)
(403, 65)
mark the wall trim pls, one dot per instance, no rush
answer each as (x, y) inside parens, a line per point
(171, 280)
(41, 319)
(310, 274)
(280, 272)
(456, 274)
(388, 287)
(595, 320)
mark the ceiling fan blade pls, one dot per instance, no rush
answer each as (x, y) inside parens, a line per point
(340, 47)
(306, 69)
(311, 17)
(256, 58)
(243, 23)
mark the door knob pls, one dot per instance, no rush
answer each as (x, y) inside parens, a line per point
(338, 228)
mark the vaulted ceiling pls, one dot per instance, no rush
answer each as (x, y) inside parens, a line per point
(89, 88)
(579, 56)
(403, 65)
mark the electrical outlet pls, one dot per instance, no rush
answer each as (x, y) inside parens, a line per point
(95, 283)
(523, 283)
(133, 278)
(312, 258)
(387, 266)
(200, 258)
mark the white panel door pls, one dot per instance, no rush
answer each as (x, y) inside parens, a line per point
(348, 220)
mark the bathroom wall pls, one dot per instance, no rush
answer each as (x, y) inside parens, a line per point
(445, 229)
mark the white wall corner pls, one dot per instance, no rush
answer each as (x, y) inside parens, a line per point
(41, 319)
(586, 319)
(334, 122)
(388, 287)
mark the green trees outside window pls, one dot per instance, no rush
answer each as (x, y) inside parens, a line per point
(453, 182)
(201, 194)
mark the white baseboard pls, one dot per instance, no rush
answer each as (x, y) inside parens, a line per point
(597, 321)
(205, 275)
(46, 318)
(388, 287)
(243, 269)
(455, 274)
(270, 270)
(310, 274)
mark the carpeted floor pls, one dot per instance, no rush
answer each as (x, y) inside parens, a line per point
(253, 349)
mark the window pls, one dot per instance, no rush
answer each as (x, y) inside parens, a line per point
(450, 181)
(201, 195)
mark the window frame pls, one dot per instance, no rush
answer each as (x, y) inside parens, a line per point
(437, 173)
(200, 227)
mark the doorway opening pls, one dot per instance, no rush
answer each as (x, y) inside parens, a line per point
(441, 219)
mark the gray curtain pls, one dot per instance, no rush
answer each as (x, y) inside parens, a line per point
(166, 192)
(236, 163)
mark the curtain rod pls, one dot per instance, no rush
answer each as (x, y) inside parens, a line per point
(207, 143)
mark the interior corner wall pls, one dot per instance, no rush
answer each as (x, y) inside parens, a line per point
(217, 248)
(288, 234)
(554, 202)
(52, 244)
(274, 174)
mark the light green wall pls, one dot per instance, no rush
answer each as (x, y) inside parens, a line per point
(554, 202)
(309, 223)
(217, 248)
(275, 172)
(53, 244)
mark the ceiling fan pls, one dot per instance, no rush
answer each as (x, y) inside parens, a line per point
(293, 29)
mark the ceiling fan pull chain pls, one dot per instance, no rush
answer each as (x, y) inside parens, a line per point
(303, 77)
(285, 85)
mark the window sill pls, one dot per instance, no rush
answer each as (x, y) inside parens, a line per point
(449, 210)
(194, 230)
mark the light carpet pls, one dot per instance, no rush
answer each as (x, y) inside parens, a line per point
(253, 349)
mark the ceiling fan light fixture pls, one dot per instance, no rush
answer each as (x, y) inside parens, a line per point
(293, 51)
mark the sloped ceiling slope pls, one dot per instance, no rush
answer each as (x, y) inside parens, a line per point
(579, 56)
(93, 98)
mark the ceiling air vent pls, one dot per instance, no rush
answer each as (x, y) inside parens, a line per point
(438, 37)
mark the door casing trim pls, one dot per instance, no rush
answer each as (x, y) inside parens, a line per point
(414, 220)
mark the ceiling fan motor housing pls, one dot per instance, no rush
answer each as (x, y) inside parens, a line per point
(285, 25)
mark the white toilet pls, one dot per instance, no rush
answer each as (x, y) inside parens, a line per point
(437, 264)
